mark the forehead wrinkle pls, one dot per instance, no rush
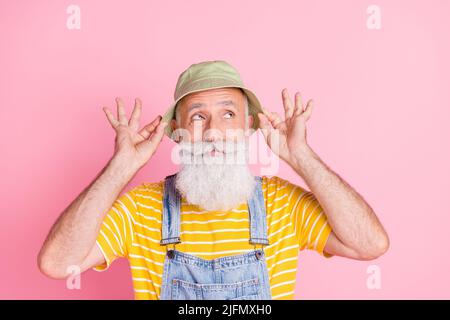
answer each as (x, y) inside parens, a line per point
(196, 105)
(228, 102)
(224, 95)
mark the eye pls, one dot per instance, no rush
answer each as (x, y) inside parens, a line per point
(229, 115)
(196, 117)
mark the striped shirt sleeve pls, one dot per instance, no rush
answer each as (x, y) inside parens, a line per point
(311, 224)
(116, 232)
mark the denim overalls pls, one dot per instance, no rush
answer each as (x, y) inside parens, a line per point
(239, 277)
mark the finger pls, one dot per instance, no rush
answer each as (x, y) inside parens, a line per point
(114, 123)
(277, 119)
(149, 145)
(308, 110)
(266, 112)
(158, 133)
(148, 129)
(135, 115)
(121, 112)
(287, 103)
(264, 125)
(298, 104)
(273, 117)
(264, 122)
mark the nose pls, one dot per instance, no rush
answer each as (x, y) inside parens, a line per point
(212, 131)
(212, 135)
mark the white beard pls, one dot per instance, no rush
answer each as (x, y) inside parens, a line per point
(215, 183)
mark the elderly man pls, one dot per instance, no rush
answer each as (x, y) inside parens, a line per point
(212, 230)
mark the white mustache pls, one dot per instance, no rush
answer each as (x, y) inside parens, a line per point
(204, 148)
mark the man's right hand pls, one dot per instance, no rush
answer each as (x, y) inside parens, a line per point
(132, 145)
(72, 238)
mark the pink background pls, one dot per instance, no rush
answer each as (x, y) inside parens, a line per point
(380, 120)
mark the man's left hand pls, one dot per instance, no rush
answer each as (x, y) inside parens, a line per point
(287, 138)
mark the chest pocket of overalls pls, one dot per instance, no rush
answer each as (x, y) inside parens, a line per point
(237, 277)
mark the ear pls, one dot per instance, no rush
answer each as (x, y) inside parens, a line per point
(173, 124)
(250, 121)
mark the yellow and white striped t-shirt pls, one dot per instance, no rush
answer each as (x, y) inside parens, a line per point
(132, 229)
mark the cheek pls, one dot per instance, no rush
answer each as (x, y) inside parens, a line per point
(189, 132)
(237, 122)
(195, 131)
(241, 123)
(235, 129)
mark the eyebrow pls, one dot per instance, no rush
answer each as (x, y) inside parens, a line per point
(220, 103)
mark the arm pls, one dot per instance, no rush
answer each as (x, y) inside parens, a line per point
(357, 232)
(71, 240)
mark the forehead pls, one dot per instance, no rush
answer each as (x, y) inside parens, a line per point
(213, 95)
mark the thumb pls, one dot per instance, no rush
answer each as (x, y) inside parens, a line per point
(150, 144)
(159, 133)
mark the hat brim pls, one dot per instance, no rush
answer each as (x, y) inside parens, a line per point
(254, 107)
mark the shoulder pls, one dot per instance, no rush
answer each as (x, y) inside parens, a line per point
(155, 187)
(147, 203)
(275, 183)
(281, 191)
(147, 192)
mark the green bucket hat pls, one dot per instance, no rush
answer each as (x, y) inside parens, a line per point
(210, 75)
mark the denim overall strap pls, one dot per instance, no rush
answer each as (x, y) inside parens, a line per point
(171, 212)
(257, 215)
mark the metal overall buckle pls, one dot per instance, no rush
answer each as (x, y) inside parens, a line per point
(258, 253)
(170, 252)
